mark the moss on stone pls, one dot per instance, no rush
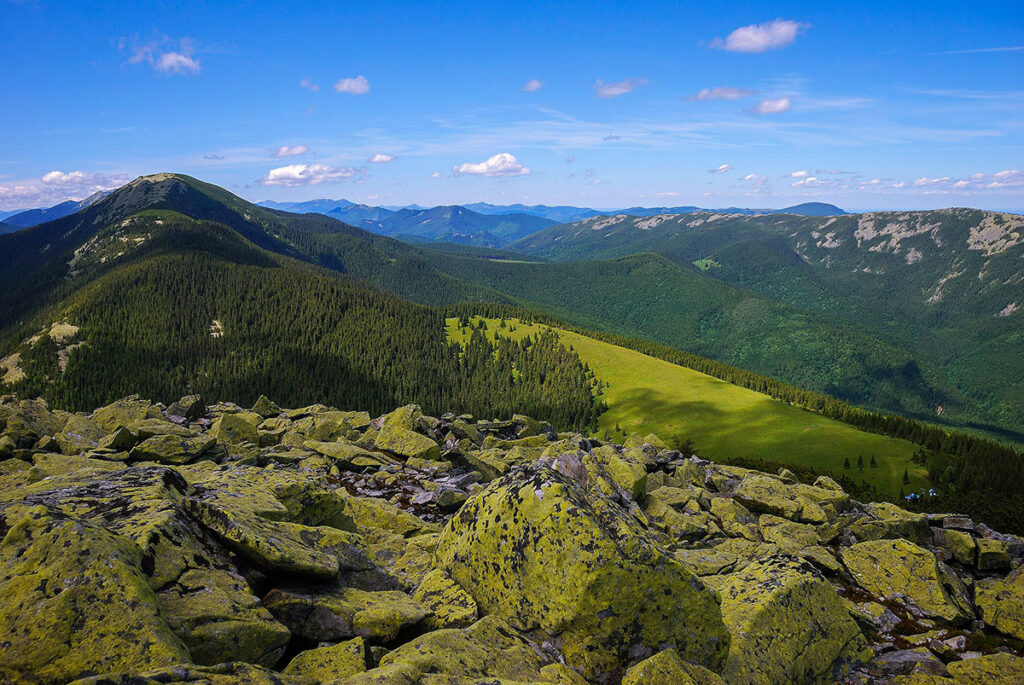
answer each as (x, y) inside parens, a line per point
(330, 663)
(898, 567)
(787, 625)
(543, 553)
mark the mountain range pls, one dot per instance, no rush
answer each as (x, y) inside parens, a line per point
(879, 310)
(16, 221)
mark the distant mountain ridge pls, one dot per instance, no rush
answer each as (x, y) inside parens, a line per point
(487, 225)
(33, 217)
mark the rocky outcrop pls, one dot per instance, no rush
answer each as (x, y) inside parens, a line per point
(218, 544)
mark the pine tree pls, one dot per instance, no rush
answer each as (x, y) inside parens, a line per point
(906, 476)
(874, 464)
(846, 464)
(860, 461)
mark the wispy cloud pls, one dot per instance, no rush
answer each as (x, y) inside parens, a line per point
(436, 174)
(614, 90)
(165, 55)
(310, 175)
(962, 94)
(772, 106)
(214, 158)
(721, 93)
(501, 164)
(611, 137)
(532, 85)
(770, 35)
(291, 151)
(798, 174)
(381, 158)
(1006, 48)
(308, 84)
(720, 169)
(353, 86)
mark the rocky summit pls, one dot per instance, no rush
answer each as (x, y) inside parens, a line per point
(189, 543)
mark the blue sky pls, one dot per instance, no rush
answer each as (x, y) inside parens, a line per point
(867, 104)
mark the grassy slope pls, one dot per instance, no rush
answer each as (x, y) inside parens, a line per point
(648, 395)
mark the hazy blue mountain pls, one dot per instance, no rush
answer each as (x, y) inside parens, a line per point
(456, 224)
(322, 206)
(32, 217)
(363, 216)
(561, 214)
(7, 228)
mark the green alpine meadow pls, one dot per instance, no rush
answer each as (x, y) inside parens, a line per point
(466, 343)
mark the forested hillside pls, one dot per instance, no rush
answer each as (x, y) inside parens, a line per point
(943, 285)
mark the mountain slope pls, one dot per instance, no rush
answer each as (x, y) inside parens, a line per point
(459, 225)
(945, 284)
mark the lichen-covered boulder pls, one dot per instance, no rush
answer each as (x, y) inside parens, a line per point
(79, 435)
(666, 668)
(489, 648)
(450, 606)
(623, 469)
(330, 663)
(234, 429)
(220, 620)
(233, 673)
(122, 414)
(992, 669)
(326, 614)
(74, 602)
(406, 443)
(898, 567)
(544, 553)
(771, 495)
(1001, 603)
(172, 449)
(787, 625)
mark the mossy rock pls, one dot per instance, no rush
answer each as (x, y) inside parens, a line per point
(489, 648)
(898, 567)
(625, 470)
(888, 522)
(769, 495)
(407, 417)
(1001, 603)
(122, 414)
(27, 421)
(960, 544)
(993, 555)
(392, 674)
(275, 546)
(190, 407)
(345, 613)
(787, 625)
(172, 449)
(666, 668)
(992, 669)
(490, 464)
(406, 443)
(234, 673)
(220, 620)
(350, 456)
(74, 602)
(330, 663)
(265, 408)
(79, 435)
(450, 606)
(543, 553)
(368, 512)
(234, 429)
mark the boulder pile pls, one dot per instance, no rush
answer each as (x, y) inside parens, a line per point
(189, 543)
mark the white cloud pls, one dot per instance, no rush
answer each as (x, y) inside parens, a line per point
(570, 159)
(215, 158)
(532, 85)
(671, 193)
(773, 106)
(308, 84)
(501, 164)
(290, 151)
(798, 174)
(924, 181)
(165, 59)
(57, 186)
(310, 174)
(720, 169)
(436, 174)
(353, 86)
(721, 93)
(811, 181)
(1000, 180)
(761, 37)
(614, 90)
(381, 158)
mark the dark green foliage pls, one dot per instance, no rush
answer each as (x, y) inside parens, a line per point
(297, 337)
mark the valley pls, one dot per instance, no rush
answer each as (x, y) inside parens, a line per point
(647, 395)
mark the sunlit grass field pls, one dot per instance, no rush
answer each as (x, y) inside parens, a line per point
(648, 395)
